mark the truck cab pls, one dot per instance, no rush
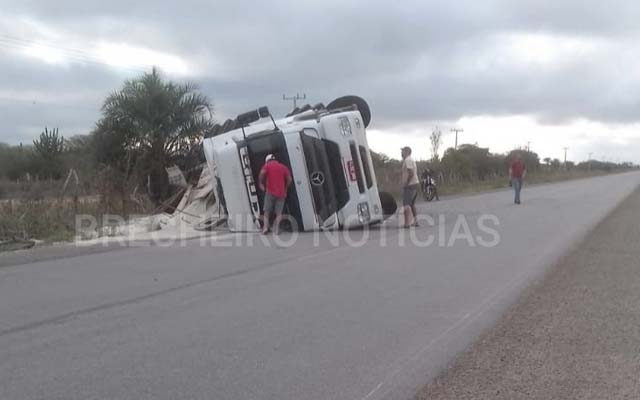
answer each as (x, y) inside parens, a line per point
(334, 184)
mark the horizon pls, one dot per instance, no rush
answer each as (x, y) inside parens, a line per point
(508, 73)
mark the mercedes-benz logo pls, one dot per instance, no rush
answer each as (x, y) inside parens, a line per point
(317, 178)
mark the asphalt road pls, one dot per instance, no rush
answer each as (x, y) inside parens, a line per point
(360, 315)
(575, 335)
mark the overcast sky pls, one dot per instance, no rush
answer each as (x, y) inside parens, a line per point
(553, 73)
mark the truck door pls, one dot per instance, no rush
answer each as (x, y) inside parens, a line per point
(320, 176)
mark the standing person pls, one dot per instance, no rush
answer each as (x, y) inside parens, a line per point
(517, 172)
(409, 187)
(274, 181)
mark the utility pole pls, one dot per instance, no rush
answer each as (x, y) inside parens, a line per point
(529, 147)
(565, 156)
(295, 99)
(590, 161)
(456, 130)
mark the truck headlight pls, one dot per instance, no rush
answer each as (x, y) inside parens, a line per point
(364, 216)
(345, 126)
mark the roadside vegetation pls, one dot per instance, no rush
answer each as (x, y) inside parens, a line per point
(151, 124)
(470, 169)
(118, 168)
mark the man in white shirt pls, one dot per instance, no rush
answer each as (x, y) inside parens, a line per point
(409, 187)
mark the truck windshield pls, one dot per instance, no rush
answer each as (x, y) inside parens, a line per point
(336, 164)
(366, 167)
(356, 165)
(320, 176)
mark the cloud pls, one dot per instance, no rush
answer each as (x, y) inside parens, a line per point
(417, 63)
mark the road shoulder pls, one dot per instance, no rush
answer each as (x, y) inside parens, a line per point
(575, 335)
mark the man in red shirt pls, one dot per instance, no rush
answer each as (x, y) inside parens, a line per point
(517, 172)
(274, 180)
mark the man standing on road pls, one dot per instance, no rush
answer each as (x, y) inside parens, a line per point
(517, 172)
(274, 181)
(410, 187)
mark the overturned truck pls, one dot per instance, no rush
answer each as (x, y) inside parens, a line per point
(334, 183)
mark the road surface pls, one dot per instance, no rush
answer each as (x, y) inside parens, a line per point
(572, 336)
(362, 315)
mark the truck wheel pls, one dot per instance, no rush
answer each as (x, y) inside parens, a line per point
(228, 125)
(346, 101)
(389, 206)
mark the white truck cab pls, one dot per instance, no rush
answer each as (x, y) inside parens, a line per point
(334, 183)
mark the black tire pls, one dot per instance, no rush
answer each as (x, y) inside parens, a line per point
(388, 203)
(228, 125)
(346, 101)
(429, 194)
(215, 131)
(293, 112)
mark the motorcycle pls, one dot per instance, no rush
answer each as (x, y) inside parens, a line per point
(429, 189)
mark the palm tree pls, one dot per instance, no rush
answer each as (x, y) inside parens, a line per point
(154, 123)
(47, 150)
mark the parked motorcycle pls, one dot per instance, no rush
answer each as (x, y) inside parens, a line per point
(428, 186)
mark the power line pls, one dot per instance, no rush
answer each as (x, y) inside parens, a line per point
(72, 105)
(89, 60)
(70, 54)
(80, 56)
(31, 42)
(26, 45)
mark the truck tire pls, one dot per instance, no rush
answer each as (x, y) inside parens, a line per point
(389, 205)
(346, 101)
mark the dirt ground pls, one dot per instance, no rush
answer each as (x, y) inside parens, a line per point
(576, 335)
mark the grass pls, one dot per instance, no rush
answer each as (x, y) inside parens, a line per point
(51, 220)
(33, 190)
(46, 220)
(36, 209)
(539, 177)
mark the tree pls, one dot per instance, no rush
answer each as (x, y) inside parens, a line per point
(47, 150)
(150, 124)
(15, 161)
(436, 140)
(457, 164)
(379, 159)
(79, 154)
(530, 158)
